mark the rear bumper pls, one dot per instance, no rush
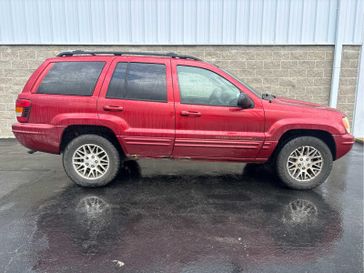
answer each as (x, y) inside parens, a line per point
(38, 137)
(344, 143)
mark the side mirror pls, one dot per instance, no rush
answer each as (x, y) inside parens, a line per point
(244, 101)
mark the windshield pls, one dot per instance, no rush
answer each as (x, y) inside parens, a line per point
(257, 93)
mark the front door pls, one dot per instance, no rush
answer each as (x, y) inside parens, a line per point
(209, 124)
(136, 100)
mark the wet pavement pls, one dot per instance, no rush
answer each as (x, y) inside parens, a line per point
(177, 216)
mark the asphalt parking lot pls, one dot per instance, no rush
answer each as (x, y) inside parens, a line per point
(177, 216)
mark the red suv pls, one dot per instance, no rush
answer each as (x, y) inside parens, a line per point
(99, 108)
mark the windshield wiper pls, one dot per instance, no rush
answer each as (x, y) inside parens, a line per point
(269, 97)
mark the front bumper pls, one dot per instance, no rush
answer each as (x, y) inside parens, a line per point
(344, 143)
(38, 137)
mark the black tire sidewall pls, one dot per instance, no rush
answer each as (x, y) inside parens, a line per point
(100, 141)
(289, 147)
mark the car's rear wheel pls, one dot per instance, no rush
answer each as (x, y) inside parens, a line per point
(304, 163)
(91, 161)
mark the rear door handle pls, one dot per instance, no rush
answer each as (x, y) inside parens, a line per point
(113, 108)
(190, 113)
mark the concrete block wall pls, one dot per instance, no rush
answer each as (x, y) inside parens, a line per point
(301, 72)
(348, 79)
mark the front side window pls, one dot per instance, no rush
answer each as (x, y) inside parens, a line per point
(138, 81)
(202, 86)
(71, 78)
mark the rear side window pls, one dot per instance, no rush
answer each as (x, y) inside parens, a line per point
(139, 81)
(117, 84)
(71, 78)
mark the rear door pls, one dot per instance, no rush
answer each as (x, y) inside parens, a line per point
(136, 100)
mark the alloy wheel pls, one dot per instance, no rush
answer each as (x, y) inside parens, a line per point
(90, 161)
(305, 163)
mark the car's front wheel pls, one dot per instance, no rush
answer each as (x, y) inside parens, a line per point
(91, 161)
(304, 163)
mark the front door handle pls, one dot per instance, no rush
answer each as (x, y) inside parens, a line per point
(113, 108)
(190, 113)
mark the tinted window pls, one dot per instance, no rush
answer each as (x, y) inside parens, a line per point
(139, 81)
(202, 86)
(117, 83)
(71, 78)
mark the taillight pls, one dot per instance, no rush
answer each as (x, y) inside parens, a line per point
(22, 109)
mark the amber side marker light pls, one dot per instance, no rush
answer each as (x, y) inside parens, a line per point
(346, 124)
(22, 110)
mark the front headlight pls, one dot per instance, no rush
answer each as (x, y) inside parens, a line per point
(346, 124)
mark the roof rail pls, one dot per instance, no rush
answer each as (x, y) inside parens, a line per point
(119, 53)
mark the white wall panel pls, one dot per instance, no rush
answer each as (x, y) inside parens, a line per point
(216, 22)
(202, 21)
(268, 24)
(164, 28)
(178, 21)
(176, 12)
(322, 20)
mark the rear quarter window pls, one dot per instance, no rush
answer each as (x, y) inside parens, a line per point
(71, 78)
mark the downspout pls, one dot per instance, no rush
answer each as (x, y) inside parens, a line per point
(358, 119)
(335, 77)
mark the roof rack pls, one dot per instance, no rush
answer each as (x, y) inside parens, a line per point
(119, 53)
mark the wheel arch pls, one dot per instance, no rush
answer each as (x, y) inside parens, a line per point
(325, 136)
(72, 131)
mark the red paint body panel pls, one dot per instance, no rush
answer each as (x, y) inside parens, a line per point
(161, 129)
(38, 137)
(219, 132)
(344, 143)
(144, 128)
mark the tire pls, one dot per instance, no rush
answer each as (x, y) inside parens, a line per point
(105, 161)
(296, 171)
